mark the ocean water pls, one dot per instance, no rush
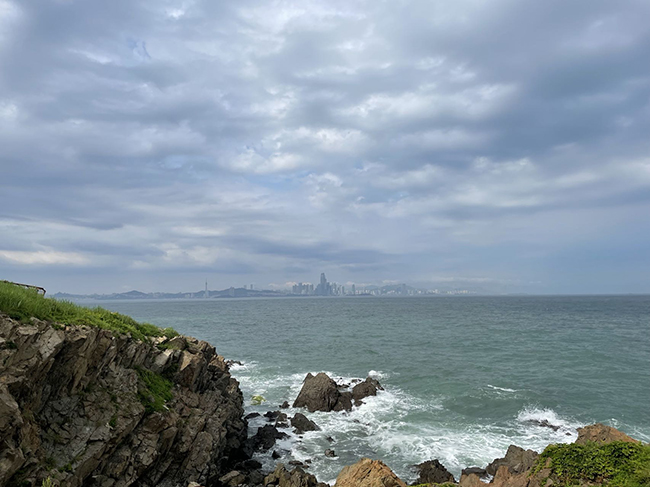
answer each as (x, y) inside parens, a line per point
(464, 377)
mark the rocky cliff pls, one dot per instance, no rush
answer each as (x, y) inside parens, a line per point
(86, 406)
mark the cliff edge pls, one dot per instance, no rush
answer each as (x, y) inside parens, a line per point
(93, 407)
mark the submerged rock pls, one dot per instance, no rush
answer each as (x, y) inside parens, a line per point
(368, 473)
(432, 471)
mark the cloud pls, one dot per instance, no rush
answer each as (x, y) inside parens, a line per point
(157, 144)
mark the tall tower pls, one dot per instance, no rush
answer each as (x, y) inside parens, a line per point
(206, 289)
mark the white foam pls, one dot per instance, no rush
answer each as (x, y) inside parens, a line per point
(504, 389)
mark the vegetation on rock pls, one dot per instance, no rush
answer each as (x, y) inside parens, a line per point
(616, 464)
(23, 304)
(156, 391)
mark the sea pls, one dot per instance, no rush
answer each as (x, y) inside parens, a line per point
(464, 377)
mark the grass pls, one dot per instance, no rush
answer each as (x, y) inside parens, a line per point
(616, 464)
(23, 304)
(155, 390)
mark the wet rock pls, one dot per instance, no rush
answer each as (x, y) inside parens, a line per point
(251, 416)
(600, 433)
(432, 471)
(318, 393)
(368, 473)
(284, 405)
(330, 453)
(344, 402)
(517, 460)
(369, 387)
(265, 438)
(301, 424)
(544, 423)
(230, 363)
(330, 439)
(275, 455)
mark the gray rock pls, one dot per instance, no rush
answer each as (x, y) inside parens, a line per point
(369, 387)
(432, 471)
(302, 424)
(330, 453)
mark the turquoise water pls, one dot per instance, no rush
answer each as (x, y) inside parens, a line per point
(464, 376)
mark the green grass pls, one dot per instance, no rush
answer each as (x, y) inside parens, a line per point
(616, 464)
(23, 304)
(155, 390)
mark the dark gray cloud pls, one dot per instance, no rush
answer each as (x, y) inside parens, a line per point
(502, 145)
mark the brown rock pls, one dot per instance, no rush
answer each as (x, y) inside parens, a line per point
(281, 477)
(600, 433)
(517, 460)
(368, 473)
(320, 393)
(367, 388)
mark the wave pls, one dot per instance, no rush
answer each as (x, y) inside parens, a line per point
(504, 389)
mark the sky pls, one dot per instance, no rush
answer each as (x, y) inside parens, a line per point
(498, 145)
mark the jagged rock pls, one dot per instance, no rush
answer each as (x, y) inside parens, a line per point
(517, 460)
(368, 473)
(367, 388)
(471, 477)
(318, 393)
(601, 434)
(281, 477)
(344, 402)
(330, 453)
(275, 455)
(284, 405)
(301, 424)
(71, 408)
(432, 471)
(544, 423)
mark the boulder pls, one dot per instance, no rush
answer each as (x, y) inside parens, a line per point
(367, 388)
(471, 477)
(284, 405)
(600, 433)
(318, 393)
(233, 479)
(433, 472)
(517, 460)
(330, 453)
(301, 424)
(368, 473)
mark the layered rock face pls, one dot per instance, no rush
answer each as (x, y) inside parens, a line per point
(85, 407)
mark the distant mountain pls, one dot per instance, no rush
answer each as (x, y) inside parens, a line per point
(225, 293)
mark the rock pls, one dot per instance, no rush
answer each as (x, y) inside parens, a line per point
(284, 405)
(275, 455)
(318, 393)
(71, 407)
(302, 424)
(432, 471)
(330, 439)
(251, 416)
(544, 423)
(265, 438)
(481, 472)
(330, 453)
(230, 363)
(344, 402)
(517, 460)
(600, 433)
(368, 473)
(233, 479)
(281, 477)
(367, 388)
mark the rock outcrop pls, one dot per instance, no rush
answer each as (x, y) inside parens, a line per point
(320, 393)
(87, 407)
(517, 460)
(433, 472)
(600, 433)
(368, 473)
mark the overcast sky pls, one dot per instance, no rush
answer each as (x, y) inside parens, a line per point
(501, 145)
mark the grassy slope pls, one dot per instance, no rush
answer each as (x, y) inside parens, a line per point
(617, 464)
(23, 304)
